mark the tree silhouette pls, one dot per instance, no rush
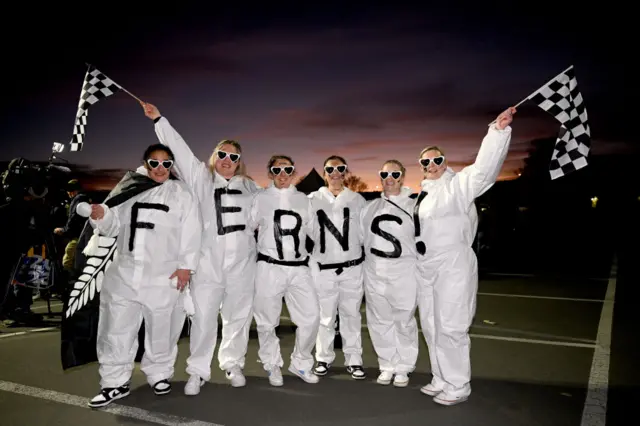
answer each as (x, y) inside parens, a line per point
(355, 183)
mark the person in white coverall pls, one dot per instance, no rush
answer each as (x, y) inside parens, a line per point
(226, 273)
(446, 224)
(158, 244)
(337, 268)
(390, 281)
(282, 216)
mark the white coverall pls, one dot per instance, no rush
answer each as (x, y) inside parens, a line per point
(226, 272)
(282, 217)
(337, 238)
(448, 271)
(158, 232)
(390, 280)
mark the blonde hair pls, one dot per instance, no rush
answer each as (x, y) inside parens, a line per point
(241, 170)
(431, 148)
(397, 163)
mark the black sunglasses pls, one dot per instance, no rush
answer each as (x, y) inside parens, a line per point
(395, 175)
(437, 161)
(167, 164)
(341, 169)
(234, 157)
(287, 169)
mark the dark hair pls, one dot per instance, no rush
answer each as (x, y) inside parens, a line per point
(275, 158)
(157, 147)
(335, 157)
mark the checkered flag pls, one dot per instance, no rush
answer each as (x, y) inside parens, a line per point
(561, 98)
(96, 86)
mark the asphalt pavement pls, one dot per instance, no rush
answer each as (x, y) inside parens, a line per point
(537, 358)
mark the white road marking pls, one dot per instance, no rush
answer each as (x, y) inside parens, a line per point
(44, 307)
(595, 404)
(113, 408)
(529, 296)
(19, 333)
(510, 339)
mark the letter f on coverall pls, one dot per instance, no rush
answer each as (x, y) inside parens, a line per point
(449, 268)
(226, 272)
(158, 232)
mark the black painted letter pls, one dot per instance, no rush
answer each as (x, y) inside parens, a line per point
(142, 225)
(325, 222)
(278, 232)
(375, 228)
(220, 209)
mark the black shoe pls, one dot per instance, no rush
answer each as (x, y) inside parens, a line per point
(108, 395)
(321, 368)
(357, 372)
(162, 387)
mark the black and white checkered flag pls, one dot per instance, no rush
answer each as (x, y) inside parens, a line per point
(561, 98)
(96, 86)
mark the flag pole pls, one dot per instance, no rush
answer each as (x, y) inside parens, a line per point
(536, 91)
(122, 88)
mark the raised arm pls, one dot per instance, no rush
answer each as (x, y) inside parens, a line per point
(192, 171)
(477, 178)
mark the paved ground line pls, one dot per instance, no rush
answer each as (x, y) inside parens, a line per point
(510, 339)
(19, 333)
(529, 296)
(595, 404)
(116, 409)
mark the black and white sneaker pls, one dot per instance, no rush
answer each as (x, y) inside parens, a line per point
(108, 395)
(357, 372)
(162, 387)
(321, 368)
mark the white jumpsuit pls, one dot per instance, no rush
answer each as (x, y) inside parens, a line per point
(158, 232)
(390, 280)
(337, 271)
(282, 218)
(226, 272)
(448, 271)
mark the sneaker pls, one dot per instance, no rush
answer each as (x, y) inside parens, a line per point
(275, 377)
(305, 375)
(235, 376)
(385, 378)
(193, 385)
(443, 399)
(401, 380)
(163, 387)
(321, 368)
(108, 395)
(357, 372)
(430, 390)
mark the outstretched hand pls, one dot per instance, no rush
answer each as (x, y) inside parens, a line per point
(183, 275)
(505, 118)
(150, 110)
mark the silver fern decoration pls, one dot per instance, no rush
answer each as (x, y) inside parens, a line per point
(90, 280)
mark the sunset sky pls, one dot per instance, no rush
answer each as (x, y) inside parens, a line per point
(369, 84)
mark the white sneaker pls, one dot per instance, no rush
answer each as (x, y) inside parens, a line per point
(385, 378)
(401, 380)
(443, 399)
(275, 377)
(235, 376)
(430, 389)
(305, 375)
(193, 385)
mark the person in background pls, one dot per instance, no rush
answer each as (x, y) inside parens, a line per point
(71, 231)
